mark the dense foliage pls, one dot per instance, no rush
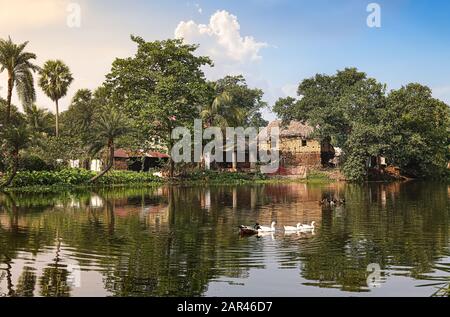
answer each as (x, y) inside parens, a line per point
(79, 177)
(163, 86)
(407, 126)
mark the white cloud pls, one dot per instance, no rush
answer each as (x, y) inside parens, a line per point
(231, 52)
(23, 14)
(221, 39)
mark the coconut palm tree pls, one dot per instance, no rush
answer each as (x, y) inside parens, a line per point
(55, 79)
(212, 113)
(18, 65)
(108, 127)
(17, 139)
(222, 111)
(81, 113)
(37, 119)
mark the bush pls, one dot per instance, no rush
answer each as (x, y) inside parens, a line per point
(127, 177)
(354, 168)
(79, 177)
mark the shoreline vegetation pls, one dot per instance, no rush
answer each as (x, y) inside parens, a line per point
(72, 180)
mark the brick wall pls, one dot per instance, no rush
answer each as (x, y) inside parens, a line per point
(301, 159)
(120, 164)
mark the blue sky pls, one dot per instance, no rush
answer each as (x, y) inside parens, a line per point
(274, 43)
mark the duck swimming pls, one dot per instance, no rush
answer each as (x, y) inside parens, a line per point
(291, 228)
(247, 230)
(308, 227)
(267, 229)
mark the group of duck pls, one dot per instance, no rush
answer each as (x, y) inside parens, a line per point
(332, 202)
(257, 228)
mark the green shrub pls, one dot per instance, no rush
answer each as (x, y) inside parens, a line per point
(127, 177)
(219, 177)
(79, 177)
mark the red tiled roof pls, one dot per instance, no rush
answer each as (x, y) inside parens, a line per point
(157, 155)
(120, 153)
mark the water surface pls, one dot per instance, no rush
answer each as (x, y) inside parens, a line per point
(183, 241)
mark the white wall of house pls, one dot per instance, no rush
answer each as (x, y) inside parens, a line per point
(96, 165)
(74, 163)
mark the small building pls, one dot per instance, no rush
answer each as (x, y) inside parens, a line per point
(376, 162)
(133, 160)
(298, 148)
(96, 165)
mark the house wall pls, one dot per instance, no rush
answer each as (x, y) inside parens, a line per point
(120, 164)
(293, 153)
(294, 145)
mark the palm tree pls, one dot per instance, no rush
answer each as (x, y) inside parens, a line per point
(109, 126)
(213, 112)
(55, 79)
(37, 119)
(81, 112)
(16, 138)
(222, 111)
(17, 63)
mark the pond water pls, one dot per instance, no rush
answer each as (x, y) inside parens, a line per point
(184, 241)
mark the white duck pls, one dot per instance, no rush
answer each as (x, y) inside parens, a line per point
(308, 227)
(267, 229)
(291, 228)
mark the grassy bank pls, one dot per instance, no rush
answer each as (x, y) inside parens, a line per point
(73, 179)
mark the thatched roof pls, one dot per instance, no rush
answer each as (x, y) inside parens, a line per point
(293, 129)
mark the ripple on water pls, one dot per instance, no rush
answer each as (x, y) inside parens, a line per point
(184, 249)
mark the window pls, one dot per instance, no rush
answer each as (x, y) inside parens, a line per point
(304, 143)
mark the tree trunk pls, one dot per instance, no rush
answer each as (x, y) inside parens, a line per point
(110, 163)
(86, 163)
(14, 170)
(172, 163)
(8, 100)
(171, 168)
(234, 161)
(57, 118)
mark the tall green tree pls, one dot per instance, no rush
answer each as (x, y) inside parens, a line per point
(214, 111)
(55, 79)
(39, 120)
(161, 87)
(345, 108)
(19, 67)
(79, 118)
(15, 117)
(233, 103)
(17, 139)
(109, 126)
(420, 131)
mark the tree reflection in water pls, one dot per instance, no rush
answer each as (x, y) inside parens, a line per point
(176, 241)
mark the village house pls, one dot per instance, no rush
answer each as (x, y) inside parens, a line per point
(133, 160)
(128, 160)
(298, 148)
